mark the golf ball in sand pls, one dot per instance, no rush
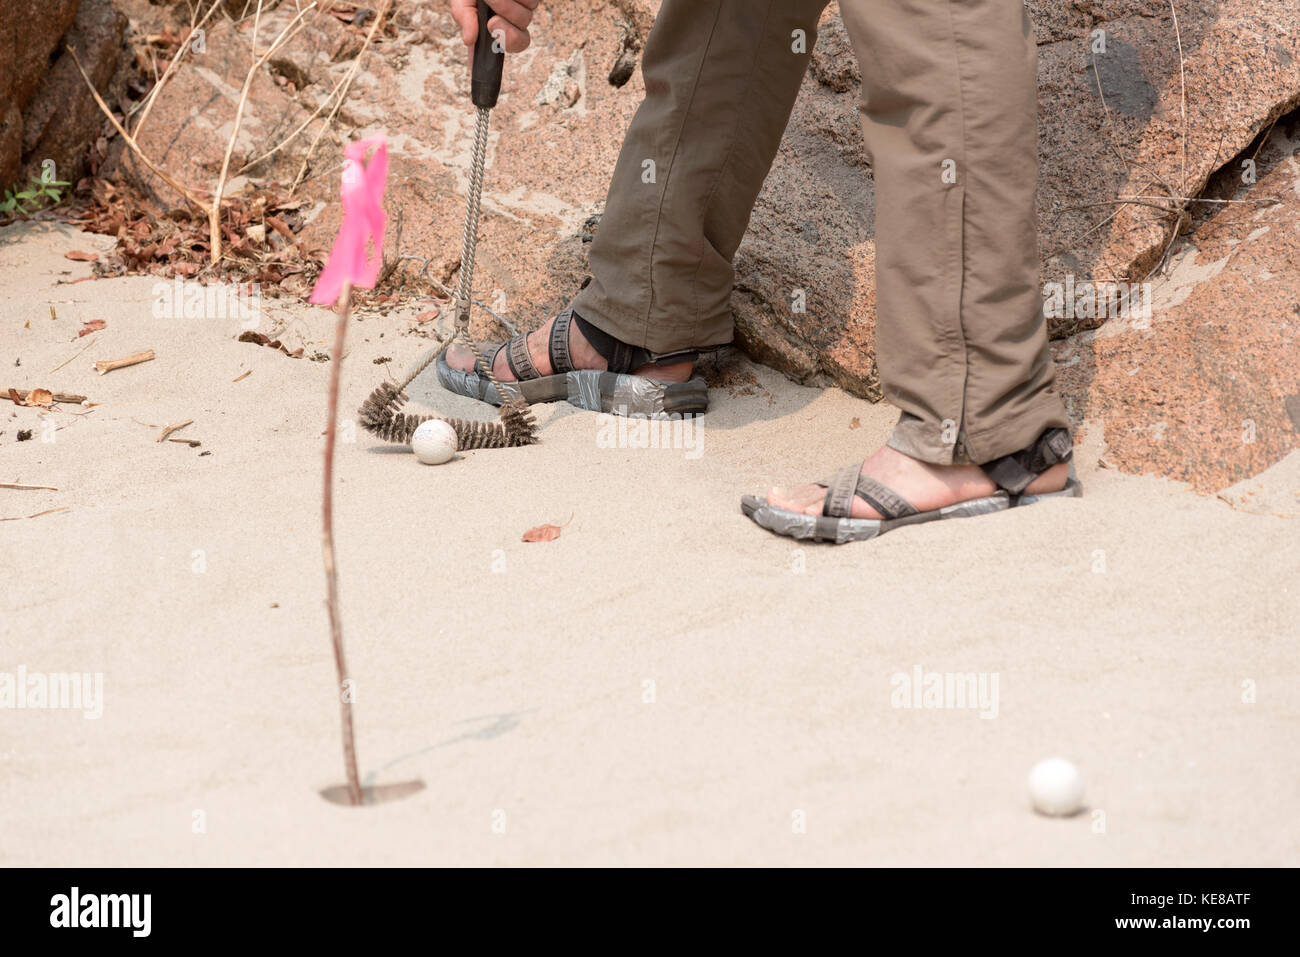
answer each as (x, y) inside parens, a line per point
(434, 442)
(1056, 787)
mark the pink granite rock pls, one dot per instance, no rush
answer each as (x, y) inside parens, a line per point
(1208, 389)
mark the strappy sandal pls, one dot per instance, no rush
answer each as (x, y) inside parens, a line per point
(615, 390)
(1011, 473)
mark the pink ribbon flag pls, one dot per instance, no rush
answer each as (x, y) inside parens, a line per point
(358, 250)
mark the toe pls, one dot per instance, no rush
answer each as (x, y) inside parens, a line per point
(806, 499)
(459, 356)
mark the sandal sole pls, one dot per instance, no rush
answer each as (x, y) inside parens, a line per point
(840, 531)
(806, 527)
(588, 389)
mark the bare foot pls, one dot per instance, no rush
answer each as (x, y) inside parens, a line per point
(925, 486)
(581, 354)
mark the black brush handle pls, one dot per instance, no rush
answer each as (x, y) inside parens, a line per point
(485, 81)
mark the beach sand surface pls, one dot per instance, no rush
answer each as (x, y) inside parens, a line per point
(665, 683)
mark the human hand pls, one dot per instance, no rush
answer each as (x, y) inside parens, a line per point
(510, 20)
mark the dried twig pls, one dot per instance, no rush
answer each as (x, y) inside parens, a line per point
(172, 67)
(214, 213)
(342, 94)
(73, 356)
(158, 171)
(108, 365)
(48, 488)
(58, 396)
(1182, 77)
(48, 511)
(168, 430)
(292, 136)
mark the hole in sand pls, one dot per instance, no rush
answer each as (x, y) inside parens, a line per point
(372, 794)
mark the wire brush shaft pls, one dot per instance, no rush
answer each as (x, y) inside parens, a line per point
(381, 416)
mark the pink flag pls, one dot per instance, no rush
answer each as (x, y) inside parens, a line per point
(363, 223)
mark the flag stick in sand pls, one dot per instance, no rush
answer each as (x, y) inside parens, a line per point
(354, 262)
(327, 547)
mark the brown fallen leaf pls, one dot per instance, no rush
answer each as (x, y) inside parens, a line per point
(19, 397)
(426, 316)
(855, 424)
(258, 339)
(36, 398)
(93, 326)
(81, 257)
(544, 533)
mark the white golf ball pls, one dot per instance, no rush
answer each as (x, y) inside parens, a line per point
(434, 442)
(1056, 787)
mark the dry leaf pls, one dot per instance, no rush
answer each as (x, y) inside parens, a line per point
(544, 533)
(42, 398)
(855, 424)
(93, 326)
(82, 257)
(261, 340)
(426, 316)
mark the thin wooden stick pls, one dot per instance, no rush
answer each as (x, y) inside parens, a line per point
(214, 213)
(327, 547)
(351, 74)
(305, 123)
(162, 174)
(172, 428)
(1182, 79)
(49, 488)
(74, 355)
(48, 511)
(108, 365)
(171, 67)
(58, 396)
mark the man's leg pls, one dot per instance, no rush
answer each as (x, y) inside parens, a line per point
(949, 113)
(721, 80)
(950, 118)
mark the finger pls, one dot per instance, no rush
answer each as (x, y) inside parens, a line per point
(514, 12)
(516, 40)
(465, 13)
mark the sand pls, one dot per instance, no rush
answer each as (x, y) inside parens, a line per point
(664, 684)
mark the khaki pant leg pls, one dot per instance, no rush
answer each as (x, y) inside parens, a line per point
(721, 78)
(949, 114)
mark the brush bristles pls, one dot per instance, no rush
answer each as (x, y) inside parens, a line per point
(381, 416)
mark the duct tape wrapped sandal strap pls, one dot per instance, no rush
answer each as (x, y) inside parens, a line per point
(615, 390)
(1013, 473)
(836, 524)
